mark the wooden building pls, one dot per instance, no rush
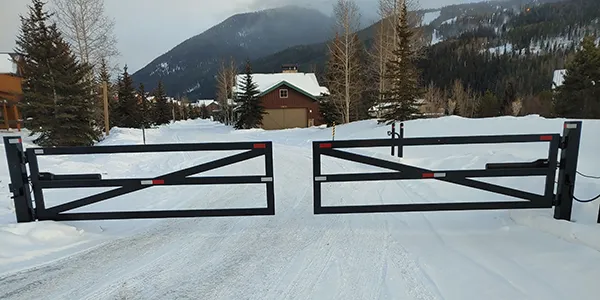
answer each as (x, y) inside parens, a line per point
(211, 105)
(290, 98)
(10, 91)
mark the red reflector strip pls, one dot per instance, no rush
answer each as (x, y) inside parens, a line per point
(325, 145)
(545, 138)
(158, 181)
(428, 175)
(260, 146)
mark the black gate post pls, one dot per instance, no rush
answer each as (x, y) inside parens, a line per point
(568, 170)
(400, 136)
(393, 134)
(401, 141)
(19, 185)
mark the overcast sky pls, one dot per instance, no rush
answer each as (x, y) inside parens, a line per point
(146, 29)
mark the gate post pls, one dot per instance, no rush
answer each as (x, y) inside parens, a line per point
(19, 185)
(568, 170)
(400, 136)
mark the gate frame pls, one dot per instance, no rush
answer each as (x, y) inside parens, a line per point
(568, 144)
(18, 158)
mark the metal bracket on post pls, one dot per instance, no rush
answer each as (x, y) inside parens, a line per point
(19, 186)
(567, 170)
(400, 136)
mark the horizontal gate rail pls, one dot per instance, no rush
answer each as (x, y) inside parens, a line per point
(542, 167)
(41, 181)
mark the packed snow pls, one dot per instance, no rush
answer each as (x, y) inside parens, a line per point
(520, 254)
(429, 17)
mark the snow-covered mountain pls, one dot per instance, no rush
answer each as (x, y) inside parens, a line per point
(190, 67)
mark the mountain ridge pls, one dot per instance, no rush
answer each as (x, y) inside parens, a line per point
(192, 64)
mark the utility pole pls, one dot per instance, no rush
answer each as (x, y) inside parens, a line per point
(105, 96)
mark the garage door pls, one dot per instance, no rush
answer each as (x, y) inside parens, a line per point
(285, 118)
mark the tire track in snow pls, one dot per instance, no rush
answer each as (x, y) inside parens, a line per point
(442, 242)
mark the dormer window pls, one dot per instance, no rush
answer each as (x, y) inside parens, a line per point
(283, 93)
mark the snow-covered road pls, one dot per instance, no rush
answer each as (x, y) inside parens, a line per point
(297, 255)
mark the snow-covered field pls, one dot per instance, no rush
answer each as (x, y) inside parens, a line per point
(296, 255)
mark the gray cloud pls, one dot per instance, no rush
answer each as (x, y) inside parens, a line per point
(147, 28)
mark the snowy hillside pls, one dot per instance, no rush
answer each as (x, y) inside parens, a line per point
(296, 255)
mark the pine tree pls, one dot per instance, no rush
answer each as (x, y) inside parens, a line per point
(490, 106)
(146, 111)
(128, 113)
(250, 109)
(401, 98)
(578, 96)
(162, 110)
(58, 96)
(329, 113)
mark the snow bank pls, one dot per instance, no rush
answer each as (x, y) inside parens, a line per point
(29, 240)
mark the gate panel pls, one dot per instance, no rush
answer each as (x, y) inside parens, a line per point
(543, 167)
(42, 181)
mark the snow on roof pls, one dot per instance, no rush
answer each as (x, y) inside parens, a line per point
(205, 102)
(558, 78)
(7, 64)
(305, 81)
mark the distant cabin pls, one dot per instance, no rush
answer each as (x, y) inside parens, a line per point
(11, 91)
(290, 98)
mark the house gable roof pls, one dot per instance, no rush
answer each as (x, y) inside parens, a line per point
(305, 83)
(285, 83)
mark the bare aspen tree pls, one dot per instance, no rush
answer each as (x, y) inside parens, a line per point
(87, 28)
(225, 87)
(434, 100)
(347, 23)
(467, 102)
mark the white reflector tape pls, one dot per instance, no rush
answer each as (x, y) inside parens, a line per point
(266, 179)
(571, 126)
(14, 141)
(146, 182)
(321, 178)
(438, 175)
(38, 151)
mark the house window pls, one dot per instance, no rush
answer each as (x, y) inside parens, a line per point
(283, 93)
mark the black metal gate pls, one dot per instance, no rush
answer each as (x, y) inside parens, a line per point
(547, 166)
(27, 212)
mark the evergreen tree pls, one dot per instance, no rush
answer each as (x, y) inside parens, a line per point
(146, 110)
(128, 111)
(579, 96)
(329, 113)
(250, 110)
(401, 98)
(162, 110)
(58, 96)
(489, 106)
